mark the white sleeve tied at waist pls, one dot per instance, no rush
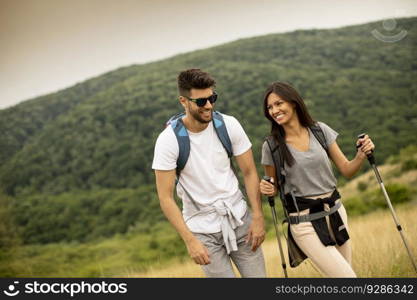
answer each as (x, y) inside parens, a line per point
(229, 221)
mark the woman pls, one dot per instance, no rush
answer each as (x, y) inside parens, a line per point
(318, 220)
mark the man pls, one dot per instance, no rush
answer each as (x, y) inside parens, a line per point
(216, 225)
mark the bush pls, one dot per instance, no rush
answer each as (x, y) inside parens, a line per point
(355, 206)
(398, 193)
(362, 186)
(409, 164)
(407, 158)
(372, 200)
(84, 215)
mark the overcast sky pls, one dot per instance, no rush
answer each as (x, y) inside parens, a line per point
(47, 45)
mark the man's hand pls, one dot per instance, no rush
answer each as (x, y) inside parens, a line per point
(198, 251)
(256, 233)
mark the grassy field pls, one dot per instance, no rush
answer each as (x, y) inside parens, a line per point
(378, 250)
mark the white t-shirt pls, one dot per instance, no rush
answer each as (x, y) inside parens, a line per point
(207, 175)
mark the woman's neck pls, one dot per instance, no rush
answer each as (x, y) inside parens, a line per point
(293, 128)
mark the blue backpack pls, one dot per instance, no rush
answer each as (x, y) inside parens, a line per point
(183, 139)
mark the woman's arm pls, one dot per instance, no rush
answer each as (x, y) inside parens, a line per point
(348, 168)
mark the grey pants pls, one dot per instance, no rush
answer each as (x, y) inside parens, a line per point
(249, 263)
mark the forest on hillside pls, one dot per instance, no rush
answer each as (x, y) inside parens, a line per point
(76, 165)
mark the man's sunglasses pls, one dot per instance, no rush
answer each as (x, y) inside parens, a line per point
(202, 101)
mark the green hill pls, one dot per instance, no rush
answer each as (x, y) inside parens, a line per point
(77, 163)
(143, 250)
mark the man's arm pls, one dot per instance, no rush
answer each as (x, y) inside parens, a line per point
(256, 232)
(165, 182)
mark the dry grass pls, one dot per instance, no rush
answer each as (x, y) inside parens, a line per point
(378, 250)
(377, 245)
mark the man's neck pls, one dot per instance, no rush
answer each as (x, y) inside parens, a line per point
(193, 125)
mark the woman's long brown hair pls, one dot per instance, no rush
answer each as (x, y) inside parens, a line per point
(287, 93)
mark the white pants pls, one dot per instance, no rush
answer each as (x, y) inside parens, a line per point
(333, 261)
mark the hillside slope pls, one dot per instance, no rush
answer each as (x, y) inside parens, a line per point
(101, 133)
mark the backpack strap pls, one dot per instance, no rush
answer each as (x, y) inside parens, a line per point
(183, 139)
(221, 131)
(278, 158)
(319, 134)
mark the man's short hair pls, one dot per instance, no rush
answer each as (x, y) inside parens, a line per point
(194, 79)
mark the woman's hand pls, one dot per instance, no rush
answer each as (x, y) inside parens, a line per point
(267, 188)
(365, 146)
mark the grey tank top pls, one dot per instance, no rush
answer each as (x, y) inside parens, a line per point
(312, 173)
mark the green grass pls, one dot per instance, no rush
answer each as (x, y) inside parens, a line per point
(145, 245)
(109, 257)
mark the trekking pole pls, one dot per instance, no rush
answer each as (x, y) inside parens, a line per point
(371, 160)
(271, 201)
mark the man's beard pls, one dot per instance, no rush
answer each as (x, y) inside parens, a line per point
(196, 115)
